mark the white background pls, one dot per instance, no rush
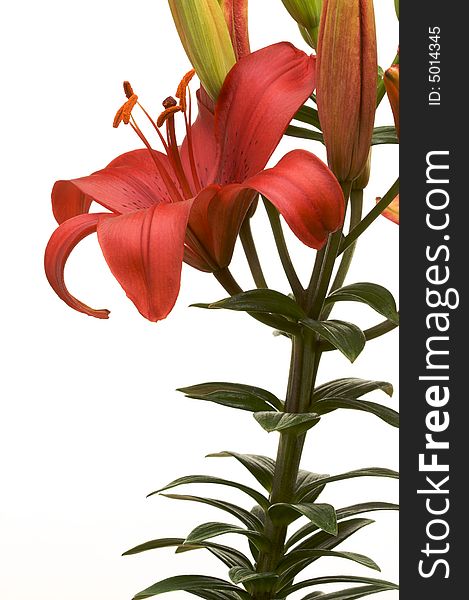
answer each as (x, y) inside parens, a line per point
(90, 422)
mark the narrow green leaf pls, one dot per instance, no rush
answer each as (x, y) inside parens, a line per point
(260, 301)
(350, 387)
(342, 513)
(240, 575)
(291, 422)
(154, 544)
(192, 584)
(376, 296)
(189, 479)
(334, 579)
(388, 415)
(307, 114)
(304, 133)
(242, 514)
(367, 472)
(296, 556)
(227, 555)
(356, 592)
(322, 515)
(384, 135)
(214, 529)
(297, 560)
(346, 337)
(261, 467)
(234, 395)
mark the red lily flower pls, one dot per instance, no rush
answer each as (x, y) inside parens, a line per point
(189, 203)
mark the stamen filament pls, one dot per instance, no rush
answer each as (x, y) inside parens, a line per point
(172, 189)
(176, 158)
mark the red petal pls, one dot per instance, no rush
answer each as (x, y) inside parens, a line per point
(306, 193)
(392, 211)
(63, 241)
(260, 96)
(144, 251)
(129, 182)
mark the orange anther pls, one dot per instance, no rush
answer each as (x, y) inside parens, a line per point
(167, 113)
(125, 111)
(128, 91)
(182, 89)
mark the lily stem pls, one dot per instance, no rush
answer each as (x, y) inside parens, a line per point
(283, 253)
(252, 256)
(374, 213)
(356, 208)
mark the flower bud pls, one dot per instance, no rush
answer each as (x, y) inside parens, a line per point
(391, 83)
(236, 17)
(396, 6)
(346, 87)
(363, 179)
(307, 13)
(204, 34)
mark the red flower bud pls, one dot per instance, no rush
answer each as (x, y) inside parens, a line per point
(346, 88)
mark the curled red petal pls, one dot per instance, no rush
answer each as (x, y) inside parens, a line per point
(260, 96)
(392, 211)
(306, 193)
(144, 251)
(63, 241)
(130, 182)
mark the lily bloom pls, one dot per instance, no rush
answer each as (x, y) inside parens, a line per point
(189, 202)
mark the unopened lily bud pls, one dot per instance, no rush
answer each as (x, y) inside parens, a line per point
(396, 6)
(346, 84)
(307, 13)
(236, 17)
(363, 179)
(204, 34)
(391, 83)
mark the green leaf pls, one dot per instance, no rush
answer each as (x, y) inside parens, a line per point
(322, 515)
(356, 592)
(367, 472)
(260, 301)
(350, 387)
(214, 529)
(296, 560)
(296, 556)
(198, 584)
(234, 395)
(261, 467)
(304, 133)
(291, 422)
(342, 513)
(227, 555)
(307, 114)
(242, 514)
(374, 295)
(252, 580)
(388, 415)
(257, 496)
(346, 337)
(154, 544)
(384, 135)
(305, 478)
(335, 579)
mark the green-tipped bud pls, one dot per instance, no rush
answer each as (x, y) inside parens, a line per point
(307, 13)
(363, 179)
(204, 34)
(396, 6)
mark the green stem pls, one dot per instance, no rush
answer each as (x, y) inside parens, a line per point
(252, 256)
(300, 387)
(374, 213)
(282, 248)
(356, 207)
(317, 294)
